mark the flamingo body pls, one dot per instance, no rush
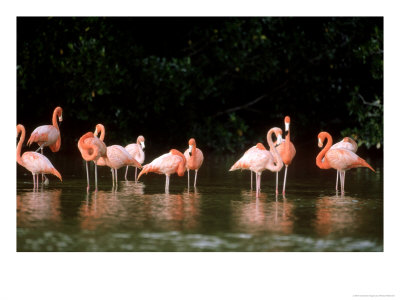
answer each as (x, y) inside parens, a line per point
(136, 151)
(118, 157)
(48, 135)
(258, 159)
(169, 163)
(34, 162)
(339, 159)
(194, 159)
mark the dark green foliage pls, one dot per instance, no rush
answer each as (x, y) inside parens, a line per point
(224, 81)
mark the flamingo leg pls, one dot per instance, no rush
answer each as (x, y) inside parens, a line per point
(135, 174)
(251, 179)
(166, 182)
(344, 175)
(112, 174)
(87, 176)
(284, 181)
(195, 177)
(126, 173)
(95, 175)
(116, 177)
(34, 181)
(337, 178)
(41, 151)
(276, 184)
(188, 171)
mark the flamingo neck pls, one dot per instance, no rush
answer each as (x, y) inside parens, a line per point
(274, 152)
(324, 164)
(181, 167)
(54, 120)
(21, 129)
(287, 141)
(102, 131)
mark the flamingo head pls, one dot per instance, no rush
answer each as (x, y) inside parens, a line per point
(140, 141)
(278, 133)
(192, 142)
(59, 113)
(287, 123)
(321, 139)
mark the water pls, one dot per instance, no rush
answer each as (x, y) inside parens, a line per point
(222, 214)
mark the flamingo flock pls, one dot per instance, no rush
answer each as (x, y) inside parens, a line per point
(340, 156)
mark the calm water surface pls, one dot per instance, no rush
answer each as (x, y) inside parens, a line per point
(222, 214)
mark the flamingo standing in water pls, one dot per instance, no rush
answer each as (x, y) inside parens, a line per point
(287, 151)
(136, 151)
(172, 162)
(48, 135)
(194, 159)
(346, 143)
(36, 163)
(258, 159)
(339, 158)
(92, 148)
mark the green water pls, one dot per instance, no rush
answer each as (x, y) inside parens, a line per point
(222, 214)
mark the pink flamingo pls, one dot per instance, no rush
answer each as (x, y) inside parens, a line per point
(172, 162)
(339, 159)
(92, 148)
(346, 143)
(136, 151)
(36, 163)
(117, 157)
(48, 135)
(258, 159)
(287, 151)
(194, 159)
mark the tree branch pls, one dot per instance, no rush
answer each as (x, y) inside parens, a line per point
(368, 103)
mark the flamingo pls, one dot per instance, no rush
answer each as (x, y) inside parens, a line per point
(172, 162)
(346, 143)
(136, 151)
(36, 163)
(194, 159)
(287, 151)
(48, 135)
(92, 148)
(339, 158)
(258, 159)
(117, 157)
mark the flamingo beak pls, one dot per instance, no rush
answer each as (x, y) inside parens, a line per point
(190, 150)
(60, 118)
(279, 140)
(287, 126)
(320, 143)
(142, 144)
(95, 132)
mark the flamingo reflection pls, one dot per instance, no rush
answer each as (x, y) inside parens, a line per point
(37, 206)
(335, 215)
(262, 214)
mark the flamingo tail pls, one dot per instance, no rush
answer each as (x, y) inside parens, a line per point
(146, 169)
(239, 165)
(56, 173)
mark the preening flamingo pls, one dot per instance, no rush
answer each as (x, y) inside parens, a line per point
(346, 143)
(287, 151)
(117, 157)
(136, 151)
(339, 158)
(48, 135)
(194, 159)
(35, 162)
(258, 159)
(172, 162)
(92, 148)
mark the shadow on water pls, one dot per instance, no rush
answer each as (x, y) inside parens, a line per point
(221, 214)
